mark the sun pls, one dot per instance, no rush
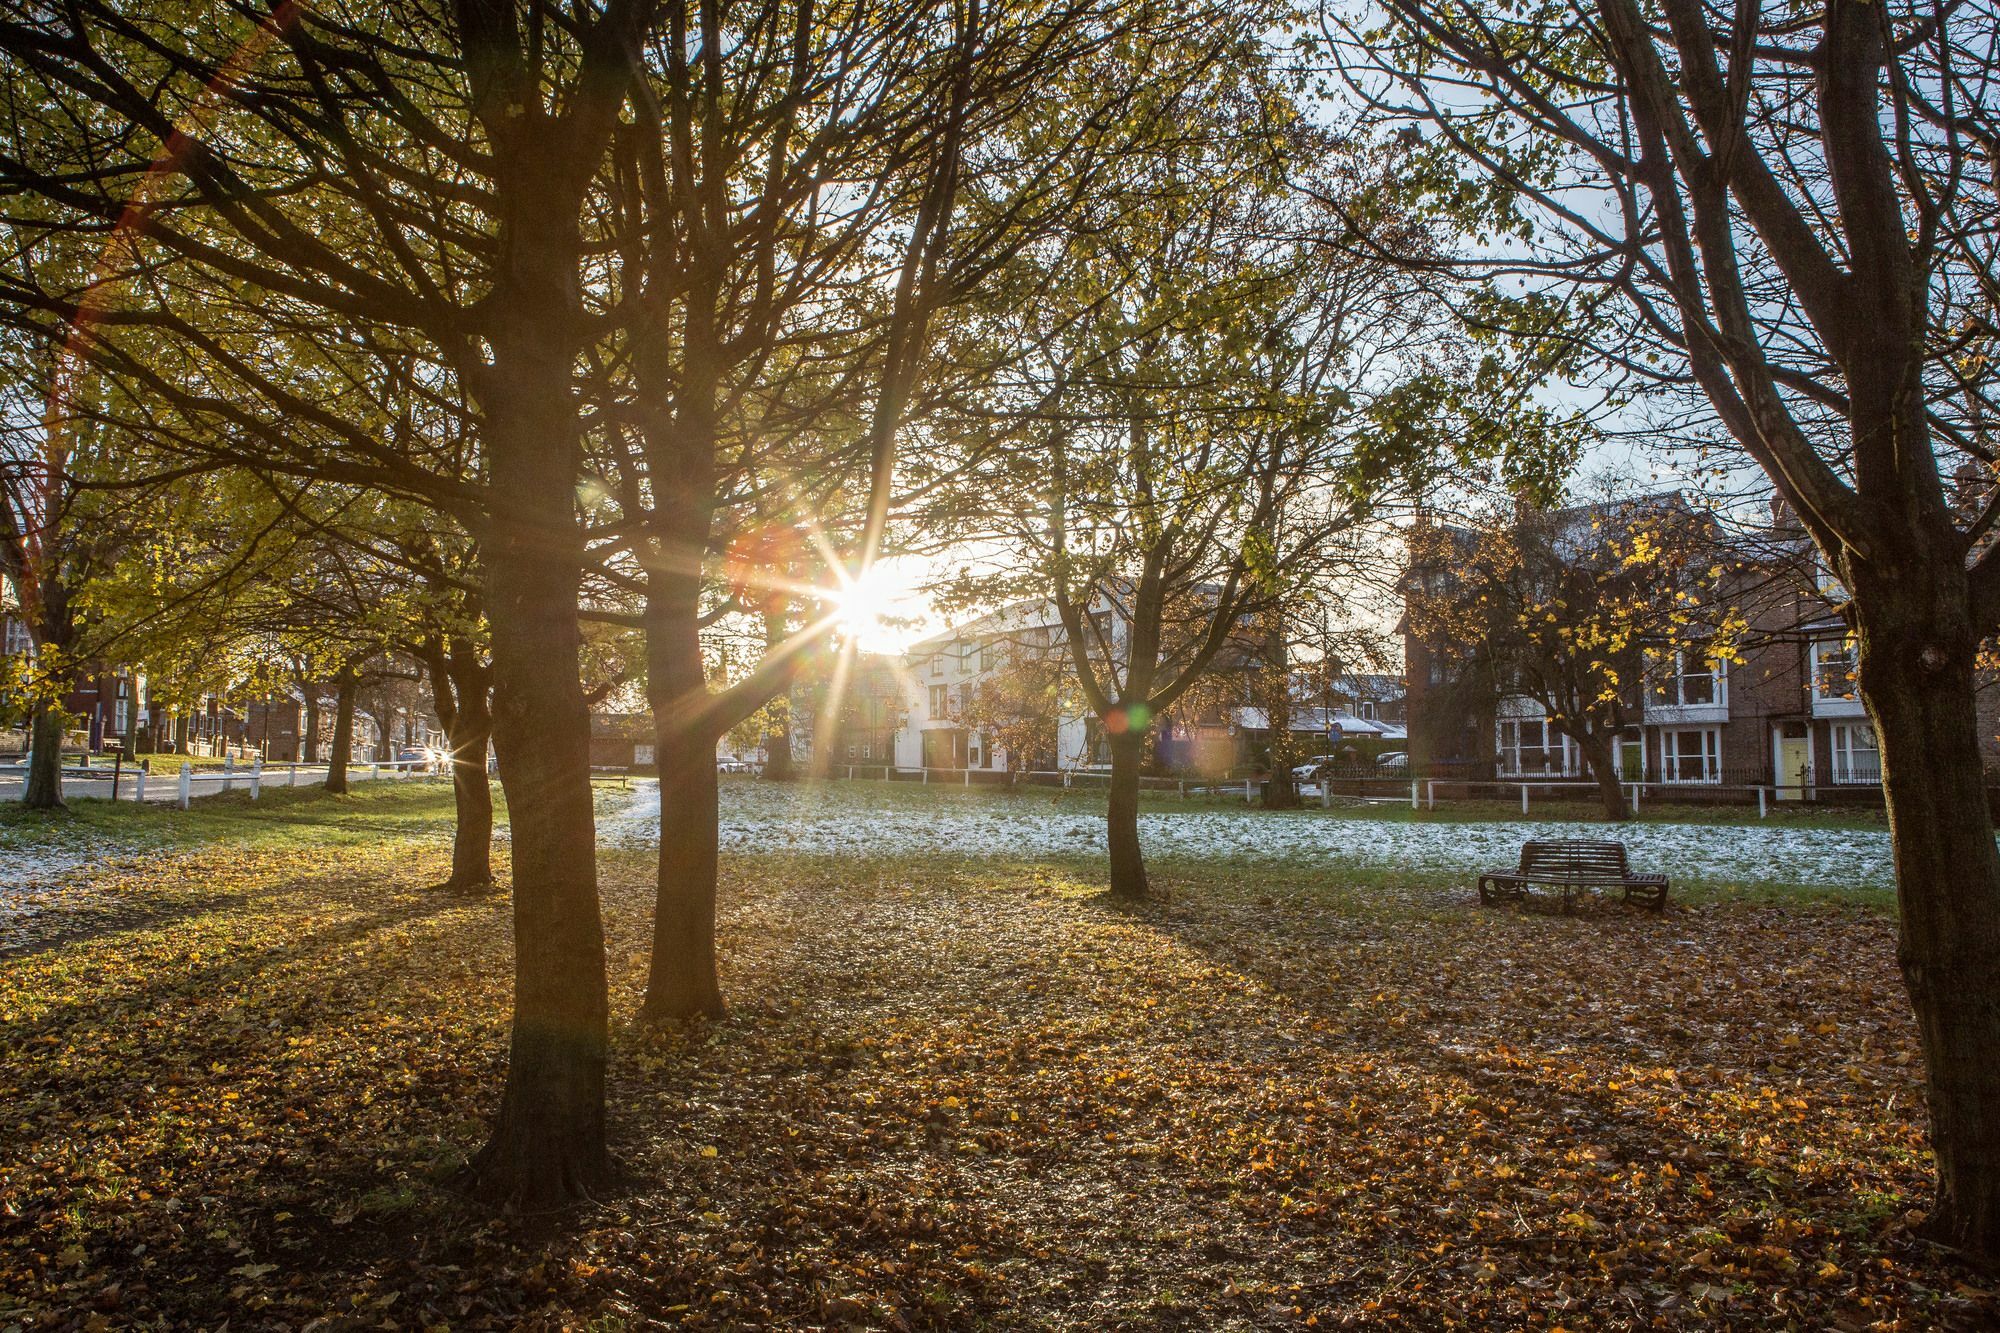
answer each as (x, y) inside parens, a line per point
(861, 607)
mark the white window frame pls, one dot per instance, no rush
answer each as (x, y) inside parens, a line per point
(1669, 687)
(940, 701)
(1567, 757)
(1842, 649)
(1846, 751)
(1672, 753)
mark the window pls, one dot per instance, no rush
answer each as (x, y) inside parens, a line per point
(937, 662)
(1532, 747)
(867, 750)
(1367, 712)
(1833, 669)
(121, 712)
(1687, 678)
(18, 639)
(940, 697)
(1855, 756)
(850, 752)
(1691, 754)
(989, 655)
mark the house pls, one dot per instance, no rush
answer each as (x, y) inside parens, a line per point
(990, 694)
(622, 740)
(1779, 710)
(999, 693)
(848, 714)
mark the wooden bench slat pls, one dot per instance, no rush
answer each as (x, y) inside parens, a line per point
(1571, 864)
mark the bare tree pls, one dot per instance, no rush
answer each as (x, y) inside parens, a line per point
(1791, 214)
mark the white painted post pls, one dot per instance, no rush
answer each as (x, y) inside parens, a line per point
(228, 772)
(926, 778)
(1181, 786)
(256, 777)
(1761, 812)
(1524, 798)
(1413, 793)
(1431, 794)
(139, 785)
(293, 780)
(968, 775)
(1326, 791)
(1247, 798)
(375, 772)
(187, 783)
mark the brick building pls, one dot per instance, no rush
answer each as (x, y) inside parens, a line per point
(1785, 715)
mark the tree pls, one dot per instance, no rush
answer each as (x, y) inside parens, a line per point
(1180, 429)
(1790, 216)
(270, 190)
(1575, 609)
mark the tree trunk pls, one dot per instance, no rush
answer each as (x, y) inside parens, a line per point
(682, 982)
(778, 765)
(548, 1141)
(1128, 865)
(313, 711)
(1281, 792)
(343, 736)
(43, 790)
(1917, 677)
(1600, 756)
(468, 732)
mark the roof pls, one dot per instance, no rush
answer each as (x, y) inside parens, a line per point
(1314, 720)
(622, 726)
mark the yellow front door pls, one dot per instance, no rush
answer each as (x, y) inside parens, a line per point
(1794, 761)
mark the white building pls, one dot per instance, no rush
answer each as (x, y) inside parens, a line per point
(940, 673)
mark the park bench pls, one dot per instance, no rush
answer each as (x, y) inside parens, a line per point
(1570, 866)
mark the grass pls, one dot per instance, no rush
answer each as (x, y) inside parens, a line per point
(1388, 806)
(962, 1095)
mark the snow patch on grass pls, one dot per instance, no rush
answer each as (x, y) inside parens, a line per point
(832, 819)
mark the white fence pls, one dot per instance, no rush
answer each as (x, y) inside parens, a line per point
(164, 785)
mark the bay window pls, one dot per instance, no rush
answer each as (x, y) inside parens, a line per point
(1691, 754)
(1856, 759)
(1532, 747)
(1688, 678)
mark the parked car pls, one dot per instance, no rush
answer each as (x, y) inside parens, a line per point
(1312, 767)
(1394, 761)
(413, 756)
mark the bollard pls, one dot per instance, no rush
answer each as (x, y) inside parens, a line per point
(968, 775)
(1761, 812)
(1246, 791)
(187, 783)
(292, 780)
(1524, 798)
(1326, 791)
(925, 779)
(1413, 793)
(256, 777)
(228, 771)
(139, 782)
(1431, 794)
(374, 772)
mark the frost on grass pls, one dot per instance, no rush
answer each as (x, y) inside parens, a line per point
(872, 820)
(42, 867)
